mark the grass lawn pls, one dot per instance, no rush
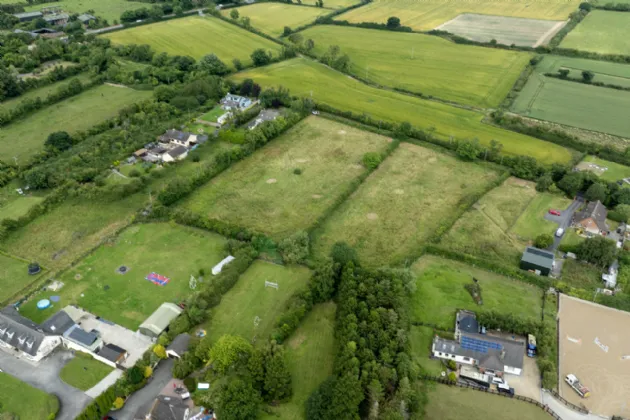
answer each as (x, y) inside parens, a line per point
(271, 18)
(572, 238)
(532, 223)
(421, 339)
(583, 275)
(615, 171)
(602, 32)
(25, 401)
(213, 114)
(76, 113)
(306, 77)
(249, 298)
(83, 372)
(13, 277)
(402, 204)
(197, 36)
(310, 357)
(427, 15)
(440, 292)
(171, 250)
(454, 403)
(19, 206)
(41, 92)
(263, 193)
(484, 229)
(110, 9)
(467, 74)
(575, 104)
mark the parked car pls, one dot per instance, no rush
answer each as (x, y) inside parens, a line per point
(554, 212)
(559, 232)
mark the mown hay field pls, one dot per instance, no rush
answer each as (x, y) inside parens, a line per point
(176, 252)
(271, 18)
(76, 113)
(425, 64)
(305, 77)
(427, 15)
(602, 32)
(197, 36)
(576, 104)
(400, 205)
(263, 193)
(484, 230)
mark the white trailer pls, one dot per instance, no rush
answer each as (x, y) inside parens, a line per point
(575, 383)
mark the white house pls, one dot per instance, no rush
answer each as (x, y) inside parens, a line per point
(235, 102)
(24, 337)
(175, 154)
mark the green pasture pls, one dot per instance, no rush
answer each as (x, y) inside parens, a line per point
(25, 401)
(425, 64)
(76, 113)
(249, 298)
(575, 104)
(305, 77)
(174, 251)
(581, 275)
(107, 9)
(455, 403)
(13, 276)
(605, 71)
(333, 4)
(263, 193)
(197, 36)
(440, 292)
(429, 14)
(614, 173)
(414, 193)
(18, 206)
(271, 18)
(421, 339)
(532, 223)
(602, 32)
(41, 92)
(309, 357)
(83, 371)
(484, 230)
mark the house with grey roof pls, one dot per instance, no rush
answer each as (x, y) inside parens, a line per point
(592, 219)
(78, 339)
(489, 353)
(24, 338)
(164, 408)
(235, 102)
(175, 154)
(537, 260)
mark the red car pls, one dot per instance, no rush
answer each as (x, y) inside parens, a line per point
(554, 212)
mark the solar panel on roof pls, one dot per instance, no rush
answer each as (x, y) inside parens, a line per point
(482, 346)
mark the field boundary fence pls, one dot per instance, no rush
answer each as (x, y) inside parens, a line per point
(446, 381)
(567, 403)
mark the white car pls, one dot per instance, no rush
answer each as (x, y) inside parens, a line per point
(559, 232)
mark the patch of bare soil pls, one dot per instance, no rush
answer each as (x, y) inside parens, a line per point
(372, 216)
(272, 181)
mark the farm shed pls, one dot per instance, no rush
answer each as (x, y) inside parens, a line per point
(159, 320)
(535, 259)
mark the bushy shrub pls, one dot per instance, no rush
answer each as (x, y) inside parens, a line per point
(371, 160)
(297, 171)
(295, 248)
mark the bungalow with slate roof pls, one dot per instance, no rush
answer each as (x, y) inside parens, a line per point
(592, 219)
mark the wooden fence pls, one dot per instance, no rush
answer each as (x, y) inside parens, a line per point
(567, 403)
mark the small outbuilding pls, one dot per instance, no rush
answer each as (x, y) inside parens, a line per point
(537, 260)
(113, 353)
(178, 346)
(159, 320)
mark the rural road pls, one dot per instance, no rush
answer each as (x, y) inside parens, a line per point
(45, 376)
(563, 411)
(563, 221)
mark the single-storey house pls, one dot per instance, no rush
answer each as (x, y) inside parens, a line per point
(113, 353)
(78, 339)
(28, 16)
(235, 102)
(537, 260)
(178, 346)
(24, 337)
(57, 18)
(592, 219)
(491, 354)
(175, 154)
(159, 320)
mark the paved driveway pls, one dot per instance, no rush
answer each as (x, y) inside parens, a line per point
(563, 221)
(563, 411)
(45, 376)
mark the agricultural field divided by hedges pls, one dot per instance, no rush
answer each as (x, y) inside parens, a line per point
(308, 78)
(271, 18)
(466, 74)
(601, 32)
(109, 9)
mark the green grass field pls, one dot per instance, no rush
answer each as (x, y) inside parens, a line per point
(263, 193)
(18, 207)
(309, 357)
(83, 372)
(249, 298)
(484, 230)
(271, 18)
(614, 173)
(213, 114)
(440, 292)
(532, 223)
(575, 104)
(605, 71)
(110, 9)
(197, 37)
(427, 15)
(92, 106)
(25, 401)
(401, 205)
(333, 4)
(421, 339)
(602, 32)
(305, 77)
(174, 251)
(454, 403)
(13, 276)
(467, 74)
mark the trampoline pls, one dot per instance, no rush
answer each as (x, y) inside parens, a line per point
(43, 304)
